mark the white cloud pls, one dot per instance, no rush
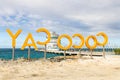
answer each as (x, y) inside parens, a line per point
(63, 16)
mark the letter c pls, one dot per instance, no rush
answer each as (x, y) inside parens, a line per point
(48, 36)
(105, 39)
(82, 40)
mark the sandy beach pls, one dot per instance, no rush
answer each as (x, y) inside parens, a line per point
(77, 69)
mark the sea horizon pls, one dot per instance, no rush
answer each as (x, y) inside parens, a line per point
(6, 54)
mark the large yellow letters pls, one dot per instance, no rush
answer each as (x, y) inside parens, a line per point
(48, 36)
(87, 42)
(105, 39)
(33, 44)
(14, 36)
(82, 41)
(59, 41)
(29, 37)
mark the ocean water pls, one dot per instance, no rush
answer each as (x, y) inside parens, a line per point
(6, 54)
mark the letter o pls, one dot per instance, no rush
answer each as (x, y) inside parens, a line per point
(105, 39)
(48, 36)
(59, 41)
(82, 40)
(87, 42)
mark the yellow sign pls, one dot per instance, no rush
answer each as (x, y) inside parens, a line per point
(29, 37)
(48, 37)
(87, 42)
(82, 40)
(59, 41)
(91, 47)
(105, 39)
(14, 36)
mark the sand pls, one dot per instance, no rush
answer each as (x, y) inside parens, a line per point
(77, 69)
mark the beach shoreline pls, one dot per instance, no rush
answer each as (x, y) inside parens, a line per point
(69, 69)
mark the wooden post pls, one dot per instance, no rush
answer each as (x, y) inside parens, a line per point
(13, 53)
(91, 54)
(29, 53)
(104, 51)
(79, 55)
(64, 54)
(45, 53)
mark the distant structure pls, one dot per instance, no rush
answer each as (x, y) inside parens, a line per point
(52, 45)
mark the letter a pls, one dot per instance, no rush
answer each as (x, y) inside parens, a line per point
(29, 37)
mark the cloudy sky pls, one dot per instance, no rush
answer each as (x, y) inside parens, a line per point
(63, 16)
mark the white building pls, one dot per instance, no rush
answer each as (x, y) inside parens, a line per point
(52, 45)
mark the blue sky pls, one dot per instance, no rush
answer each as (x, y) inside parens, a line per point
(63, 16)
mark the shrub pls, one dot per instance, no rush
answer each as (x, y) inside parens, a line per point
(117, 51)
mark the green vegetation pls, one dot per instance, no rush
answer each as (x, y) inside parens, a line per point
(117, 51)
